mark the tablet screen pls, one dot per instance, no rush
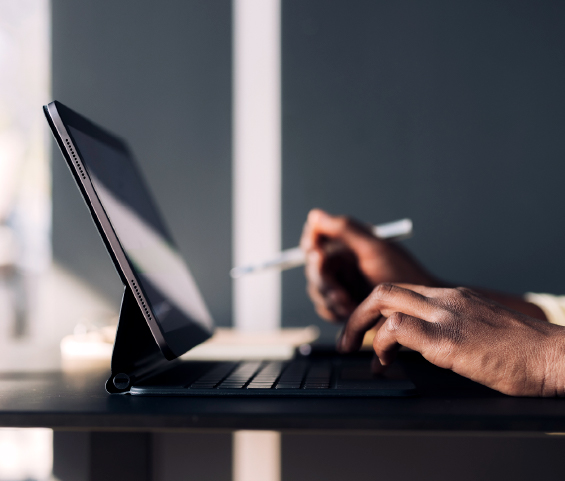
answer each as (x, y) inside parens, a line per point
(162, 274)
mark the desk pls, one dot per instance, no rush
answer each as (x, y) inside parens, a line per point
(447, 404)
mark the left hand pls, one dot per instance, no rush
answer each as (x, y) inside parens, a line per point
(461, 330)
(345, 261)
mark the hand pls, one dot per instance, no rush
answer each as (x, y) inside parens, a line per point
(345, 261)
(461, 330)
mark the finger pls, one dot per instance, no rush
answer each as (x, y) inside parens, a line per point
(310, 234)
(352, 233)
(313, 267)
(384, 300)
(313, 277)
(340, 268)
(376, 365)
(332, 305)
(402, 329)
(339, 302)
(307, 237)
(320, 304)
(331, 299)
(423, 290)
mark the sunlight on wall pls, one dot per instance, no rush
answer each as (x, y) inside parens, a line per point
(25, 208)
(24, 166)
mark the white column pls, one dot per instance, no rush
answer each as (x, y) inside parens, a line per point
(256, 200)
(256, 160)
(256, 456)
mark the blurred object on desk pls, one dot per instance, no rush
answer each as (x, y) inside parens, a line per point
(234, 344)
(92, 345)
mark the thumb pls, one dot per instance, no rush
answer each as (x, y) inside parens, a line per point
(353, 234)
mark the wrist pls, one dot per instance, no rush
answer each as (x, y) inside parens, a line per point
(554, 370)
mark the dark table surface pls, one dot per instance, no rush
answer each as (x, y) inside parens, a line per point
(446, 402)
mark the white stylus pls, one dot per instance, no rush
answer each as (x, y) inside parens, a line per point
(287, 259)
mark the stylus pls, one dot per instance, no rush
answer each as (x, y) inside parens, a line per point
(287, 259)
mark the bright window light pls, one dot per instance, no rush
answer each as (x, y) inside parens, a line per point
(24, 166)
(25, 208)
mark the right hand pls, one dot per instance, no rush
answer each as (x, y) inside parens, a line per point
(462, 330)
(345, 262)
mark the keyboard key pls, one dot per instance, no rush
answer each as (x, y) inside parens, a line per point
(266, 375)
(269, 372)
(292, 375)
(244, 371)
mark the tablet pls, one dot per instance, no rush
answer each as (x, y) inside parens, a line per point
(133, 231)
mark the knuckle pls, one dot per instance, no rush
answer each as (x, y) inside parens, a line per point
(445, 316)
(464, 292)
(455, 302)
(453, 292)
(395, 321)
(382, 291)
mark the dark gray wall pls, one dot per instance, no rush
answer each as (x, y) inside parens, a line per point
(158, 74)
(452, 113)
(448, 112)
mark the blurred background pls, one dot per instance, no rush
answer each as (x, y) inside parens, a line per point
(451, 113)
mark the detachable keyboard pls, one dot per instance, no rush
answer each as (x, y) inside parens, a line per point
(267, 375)
(297, 377)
